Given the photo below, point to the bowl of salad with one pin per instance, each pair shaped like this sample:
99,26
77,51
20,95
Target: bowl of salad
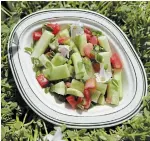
77,68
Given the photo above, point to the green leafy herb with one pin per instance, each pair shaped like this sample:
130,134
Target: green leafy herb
47,90
97,33
28,50
46,27
96,48
98,58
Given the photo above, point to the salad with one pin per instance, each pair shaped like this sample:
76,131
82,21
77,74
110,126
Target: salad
76,64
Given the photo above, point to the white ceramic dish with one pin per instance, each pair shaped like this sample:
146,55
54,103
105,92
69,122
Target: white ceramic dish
45,105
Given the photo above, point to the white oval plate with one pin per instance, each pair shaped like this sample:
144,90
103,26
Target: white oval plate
45,105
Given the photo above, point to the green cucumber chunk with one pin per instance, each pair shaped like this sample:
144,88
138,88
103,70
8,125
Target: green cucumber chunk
80,42
42,44
88,67
95,95
106,60
45,61
77,85
79,66
59,88
101,87
72,45
103,41
58,60
112,93
57,73
101,100
71,69
64,33
118,77
75,92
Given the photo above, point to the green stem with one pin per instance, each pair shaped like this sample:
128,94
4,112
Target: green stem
138,134
105,7
40,134
31,138
17,117
6,11
25,117
45,128
27,124
35,133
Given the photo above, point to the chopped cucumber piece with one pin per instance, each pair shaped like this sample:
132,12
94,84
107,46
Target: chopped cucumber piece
80,42
59,88
71,69
95,95
79,66
42,44
57,73
74,92
88,67
36,62
45,62
54,44
106,60
101,100
112,94
72,45
58,60
77,85
103,41
118,77
101,87
64,33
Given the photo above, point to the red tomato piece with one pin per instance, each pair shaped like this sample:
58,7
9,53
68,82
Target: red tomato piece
37,35
90,84
88,103
68,84
62,40
71,100
55,28
42,80
115,61
96,67
88,37
87,98
87,30
88,51
94,40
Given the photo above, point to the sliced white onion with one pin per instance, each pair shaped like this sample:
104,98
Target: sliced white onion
103,76
64,50
76,29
